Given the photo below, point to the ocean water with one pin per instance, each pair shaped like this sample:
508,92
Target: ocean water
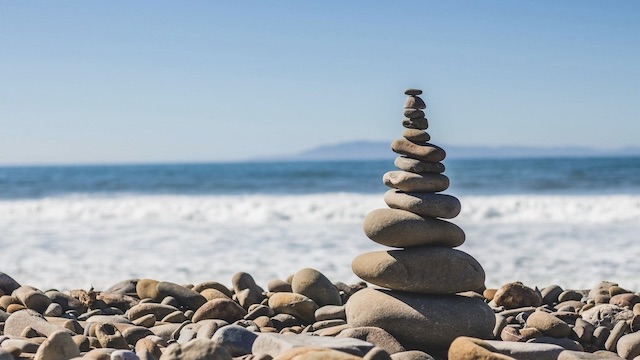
570,221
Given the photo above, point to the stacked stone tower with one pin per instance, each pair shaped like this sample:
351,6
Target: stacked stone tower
420,280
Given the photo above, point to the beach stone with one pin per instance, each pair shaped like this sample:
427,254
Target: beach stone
6,300
246,290
133,334
616,333
224,309
625,300
607,315
146,321
256,311
550,294
548,324
418,123
111,319
421,322
583,331
58,346
213,285
314,285
127,287
413,113
124,355
569,295
18,321
147,289
565,343
53,310
276,344
110,337
9,354
67,302
400,228
449,271
412,92
471,348
315,353
516,295
186,297
148,348
174,317
198,349
158,310
411,182
375,335
411,355
277,285
22,344
600,336
7,283
236,340
628,345
415,135
425,152
165,331
210,294
32,298
417,166
294,304
526,351
424,204
414,102
581,355
330,312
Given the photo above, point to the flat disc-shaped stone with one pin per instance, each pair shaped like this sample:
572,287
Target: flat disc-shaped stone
399,228
420,123
413,92
417,166
425,270
424,204
413,113
416,135
423,322
414,102
408,181
424,152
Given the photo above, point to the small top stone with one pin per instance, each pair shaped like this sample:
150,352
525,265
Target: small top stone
413,92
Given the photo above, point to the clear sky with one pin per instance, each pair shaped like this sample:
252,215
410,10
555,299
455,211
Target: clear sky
154,81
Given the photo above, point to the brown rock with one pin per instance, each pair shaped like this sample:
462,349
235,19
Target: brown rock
375,335
246,290
471,348
420,123
186,297
400,228
422,322
416,135
427,152
224,309
146,289
32,298
213,285
58,346
548,324
413,113
515,295
449,271
424,204
625,300
314,285
413,92
294,304
414,102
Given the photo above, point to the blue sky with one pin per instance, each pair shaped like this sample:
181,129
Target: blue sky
154,81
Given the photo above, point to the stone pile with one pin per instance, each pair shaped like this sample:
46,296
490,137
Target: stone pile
420,304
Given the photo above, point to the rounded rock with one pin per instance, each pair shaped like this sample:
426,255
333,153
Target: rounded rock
422,322
413,113
146,289
424,204
224,309
185,296
400,228
32,298
294,304
414,102
416,135
425,152
58,346
314,285
425,270
411,182
420,123
413,92
515,295
417,166
548,324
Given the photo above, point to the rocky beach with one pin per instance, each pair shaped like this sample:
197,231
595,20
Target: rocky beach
419,298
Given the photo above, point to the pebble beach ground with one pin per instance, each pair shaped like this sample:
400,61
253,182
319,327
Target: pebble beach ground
301,317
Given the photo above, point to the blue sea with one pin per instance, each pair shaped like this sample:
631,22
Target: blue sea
569,221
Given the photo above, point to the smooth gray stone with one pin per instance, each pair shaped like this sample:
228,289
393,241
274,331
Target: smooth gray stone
314,285
185,296
400,228
32,298
414,102
57,346
565,343
24,344
425,151
420,123
66,301
412,92
418,321
134,333
413,113
198,349
127,286
628,346
236,340
412,182
111,319
425,270
246,289
124,355
417,166
20,320
526,351
330,312
550,294
411,355
7,283
275,344
424,204
416,135
158,310
581,355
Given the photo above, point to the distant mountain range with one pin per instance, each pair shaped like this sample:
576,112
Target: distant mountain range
374,150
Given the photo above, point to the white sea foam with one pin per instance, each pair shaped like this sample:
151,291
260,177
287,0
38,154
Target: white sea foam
77,241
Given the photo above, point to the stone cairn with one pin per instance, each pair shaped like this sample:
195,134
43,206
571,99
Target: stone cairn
420,301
